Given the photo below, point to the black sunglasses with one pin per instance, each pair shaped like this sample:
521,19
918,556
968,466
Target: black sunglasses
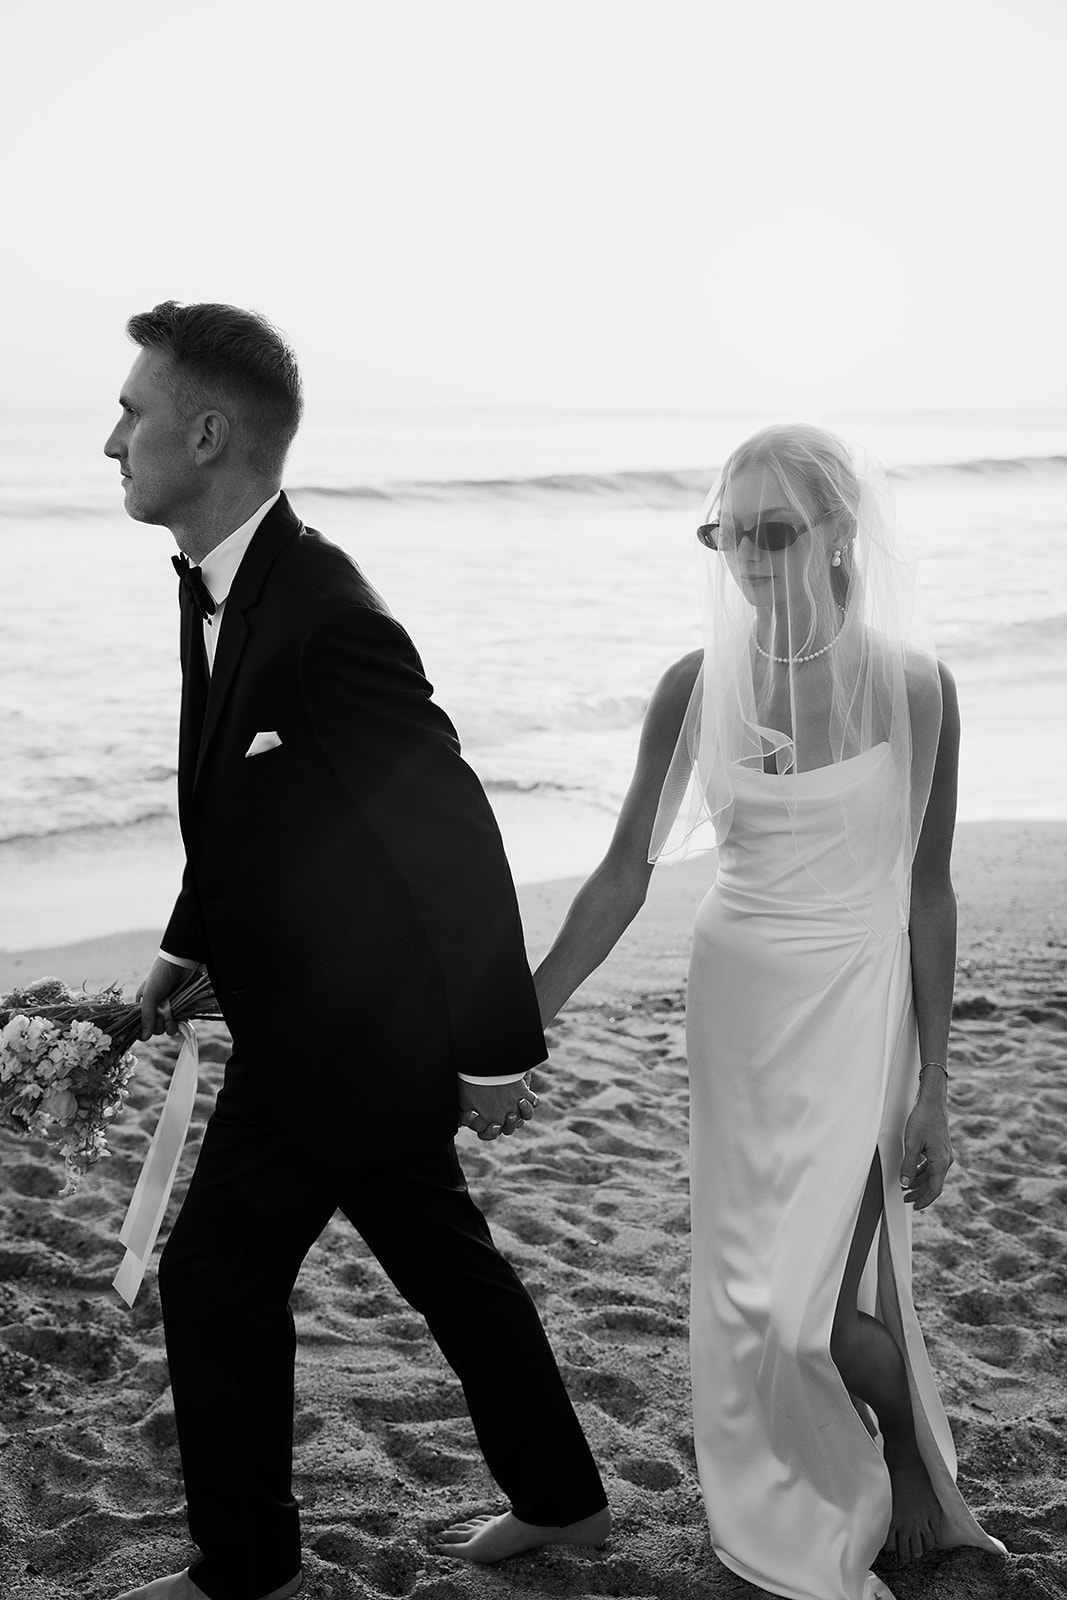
765,535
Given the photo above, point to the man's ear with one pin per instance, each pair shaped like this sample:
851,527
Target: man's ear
211,430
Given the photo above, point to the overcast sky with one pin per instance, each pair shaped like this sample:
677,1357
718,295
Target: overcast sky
621,203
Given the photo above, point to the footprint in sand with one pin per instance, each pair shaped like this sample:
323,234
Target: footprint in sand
214,1050
1016,1223
364,1292
307,1425
88,1352
1013,1263
389,1569
646,1472
632,1324
983,1307
404,1329
159,1431
81,1443
999,1183
101,1205
978,1127
1002,1347
944,1253
606,1143
338,1545
424,1451
52,1510
34,1180
611,1295
527,1227
588,1225
613,1392
441,1403
395,1569
1050,1015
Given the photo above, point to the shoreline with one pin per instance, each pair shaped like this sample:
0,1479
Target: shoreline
100,881
1011,885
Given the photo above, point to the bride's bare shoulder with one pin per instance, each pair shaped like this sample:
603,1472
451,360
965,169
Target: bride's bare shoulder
930,684
681,676
672,694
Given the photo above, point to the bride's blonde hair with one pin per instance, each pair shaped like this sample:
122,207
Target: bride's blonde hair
816,474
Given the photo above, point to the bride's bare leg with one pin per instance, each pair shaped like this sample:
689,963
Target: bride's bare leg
872,1367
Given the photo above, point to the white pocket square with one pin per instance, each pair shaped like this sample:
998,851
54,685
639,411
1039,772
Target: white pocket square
261,742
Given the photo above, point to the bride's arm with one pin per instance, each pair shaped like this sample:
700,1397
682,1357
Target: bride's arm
614,893
933,964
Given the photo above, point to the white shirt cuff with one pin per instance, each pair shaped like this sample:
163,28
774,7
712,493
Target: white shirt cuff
180,961
508,1077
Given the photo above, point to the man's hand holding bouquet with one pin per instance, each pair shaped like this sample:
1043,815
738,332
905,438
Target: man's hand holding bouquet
66,1061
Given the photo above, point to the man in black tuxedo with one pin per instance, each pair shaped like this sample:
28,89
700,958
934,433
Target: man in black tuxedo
347,889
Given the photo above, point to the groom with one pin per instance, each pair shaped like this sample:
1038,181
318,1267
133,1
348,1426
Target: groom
347,889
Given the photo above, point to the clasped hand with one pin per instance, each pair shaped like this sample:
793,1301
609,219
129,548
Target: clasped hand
490,1109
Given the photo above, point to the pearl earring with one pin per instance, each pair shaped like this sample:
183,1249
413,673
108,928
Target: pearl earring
835,559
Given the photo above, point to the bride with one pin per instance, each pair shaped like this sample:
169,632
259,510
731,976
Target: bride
817,738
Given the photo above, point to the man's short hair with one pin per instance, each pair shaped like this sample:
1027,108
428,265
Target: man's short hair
234,360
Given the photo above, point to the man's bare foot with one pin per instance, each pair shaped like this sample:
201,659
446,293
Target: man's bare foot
487,1539
916,1524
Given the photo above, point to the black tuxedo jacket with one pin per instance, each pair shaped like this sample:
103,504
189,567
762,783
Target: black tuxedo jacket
347,889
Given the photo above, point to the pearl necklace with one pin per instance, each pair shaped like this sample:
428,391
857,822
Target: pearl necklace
798,661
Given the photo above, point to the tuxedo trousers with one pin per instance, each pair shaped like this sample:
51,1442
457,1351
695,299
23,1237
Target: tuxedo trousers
255,1206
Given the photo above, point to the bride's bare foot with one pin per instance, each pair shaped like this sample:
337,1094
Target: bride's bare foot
486,1539
916,1524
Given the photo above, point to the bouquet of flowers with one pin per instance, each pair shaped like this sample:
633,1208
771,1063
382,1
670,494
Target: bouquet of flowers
65,1061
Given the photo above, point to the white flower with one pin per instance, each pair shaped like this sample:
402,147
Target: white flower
13,1035
60,1104
88,1037
38,1036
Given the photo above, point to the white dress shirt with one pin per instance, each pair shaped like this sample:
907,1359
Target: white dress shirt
218,569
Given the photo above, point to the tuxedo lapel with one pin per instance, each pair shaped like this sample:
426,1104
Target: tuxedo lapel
194,695
231,645
274,532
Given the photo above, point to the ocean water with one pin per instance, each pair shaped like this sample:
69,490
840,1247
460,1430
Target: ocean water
543,563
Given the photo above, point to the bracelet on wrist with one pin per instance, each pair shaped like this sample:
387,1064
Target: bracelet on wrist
940,1065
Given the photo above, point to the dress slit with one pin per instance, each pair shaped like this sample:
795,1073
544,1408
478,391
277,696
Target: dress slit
871,1263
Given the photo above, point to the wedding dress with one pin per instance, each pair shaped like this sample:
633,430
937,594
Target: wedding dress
804,1062
808,752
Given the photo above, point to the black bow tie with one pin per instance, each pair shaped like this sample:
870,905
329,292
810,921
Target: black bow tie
194,585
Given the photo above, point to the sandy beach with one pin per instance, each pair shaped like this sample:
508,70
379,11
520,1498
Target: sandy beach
591,1204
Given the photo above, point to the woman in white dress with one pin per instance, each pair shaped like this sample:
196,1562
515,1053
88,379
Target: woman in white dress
816,736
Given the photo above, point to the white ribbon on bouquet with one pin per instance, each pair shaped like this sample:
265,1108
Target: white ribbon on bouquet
148,1206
